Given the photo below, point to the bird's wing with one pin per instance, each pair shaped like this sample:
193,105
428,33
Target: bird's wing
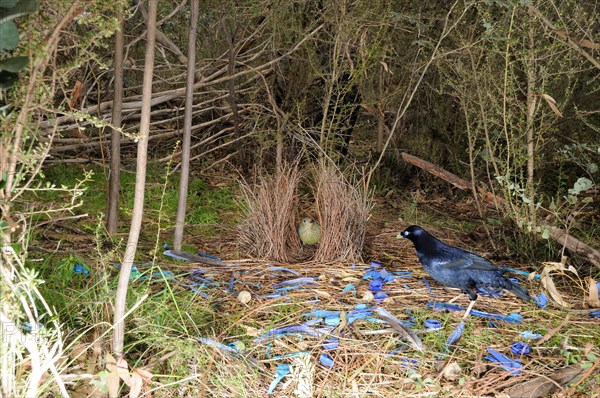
469,261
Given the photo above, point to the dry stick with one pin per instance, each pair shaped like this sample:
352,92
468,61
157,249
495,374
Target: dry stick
165,134
585,376
168,95
221,134
201,110
564,36
138,204
551,333
114,181
560,236
187,127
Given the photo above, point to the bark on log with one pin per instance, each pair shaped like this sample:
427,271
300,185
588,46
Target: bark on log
560,236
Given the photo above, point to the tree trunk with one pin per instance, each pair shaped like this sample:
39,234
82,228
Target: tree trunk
140,180
531,101
114,179
187,125
380,115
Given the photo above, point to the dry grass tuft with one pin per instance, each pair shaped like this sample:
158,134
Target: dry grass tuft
343,207
268,229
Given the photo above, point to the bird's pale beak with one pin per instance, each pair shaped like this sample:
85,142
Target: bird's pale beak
400,235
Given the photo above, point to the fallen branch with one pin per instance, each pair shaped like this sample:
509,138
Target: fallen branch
560,236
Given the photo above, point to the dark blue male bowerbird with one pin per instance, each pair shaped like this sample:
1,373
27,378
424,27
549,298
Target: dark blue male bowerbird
458,268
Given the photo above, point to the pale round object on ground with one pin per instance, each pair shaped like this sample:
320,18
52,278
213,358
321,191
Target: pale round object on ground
368,297
244,297
452,371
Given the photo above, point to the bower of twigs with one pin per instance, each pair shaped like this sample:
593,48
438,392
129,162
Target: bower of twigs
271,215
268,229
365,363
343,209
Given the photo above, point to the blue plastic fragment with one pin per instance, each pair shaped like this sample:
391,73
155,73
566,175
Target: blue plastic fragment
524,273
350,288
231,282
492,324
331,344
160,274
520,348
510,365
332,320
360,307
282,269
541,300
529,335
294,329
395,351
289,354
409,363
169,253
81,269
402,274
510,318
454,336
283,369
297,282
137,275
355,315
514,280
238,346
432,324
383,273
218,345
326,360
375,286
208,256
166,246
321,314
375,264
386,276
594,314
196,273
427,286
379,297
361,312
372,272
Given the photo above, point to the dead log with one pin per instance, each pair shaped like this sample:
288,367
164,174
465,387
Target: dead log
559,235
544,385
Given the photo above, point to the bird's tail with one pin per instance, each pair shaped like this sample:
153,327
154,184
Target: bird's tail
519,291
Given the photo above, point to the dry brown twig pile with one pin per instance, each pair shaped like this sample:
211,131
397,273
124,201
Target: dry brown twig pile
343,208
268,229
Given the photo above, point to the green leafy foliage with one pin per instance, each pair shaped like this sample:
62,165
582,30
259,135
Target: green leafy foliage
9,38
14,64
11,9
